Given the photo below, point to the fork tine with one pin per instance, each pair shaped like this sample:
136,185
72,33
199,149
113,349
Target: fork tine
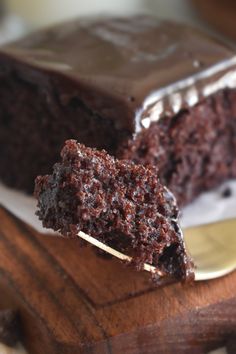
147,267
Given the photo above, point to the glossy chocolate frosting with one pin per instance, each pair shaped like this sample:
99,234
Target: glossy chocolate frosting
145,68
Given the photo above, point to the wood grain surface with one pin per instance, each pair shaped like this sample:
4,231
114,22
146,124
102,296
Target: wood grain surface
72,300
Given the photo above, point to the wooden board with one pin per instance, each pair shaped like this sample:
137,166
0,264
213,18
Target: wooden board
74,301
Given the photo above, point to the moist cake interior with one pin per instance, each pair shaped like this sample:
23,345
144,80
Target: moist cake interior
121,204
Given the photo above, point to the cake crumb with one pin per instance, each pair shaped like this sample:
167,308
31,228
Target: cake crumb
227,193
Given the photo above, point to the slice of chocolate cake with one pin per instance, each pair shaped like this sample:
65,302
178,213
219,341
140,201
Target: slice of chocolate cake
150,91
117,202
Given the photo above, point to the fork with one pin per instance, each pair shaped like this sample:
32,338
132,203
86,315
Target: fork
211,246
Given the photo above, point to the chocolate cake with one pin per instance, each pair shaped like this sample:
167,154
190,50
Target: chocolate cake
117,202
155,92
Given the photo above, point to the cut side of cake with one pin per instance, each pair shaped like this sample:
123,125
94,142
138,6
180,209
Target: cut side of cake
117,202
154,92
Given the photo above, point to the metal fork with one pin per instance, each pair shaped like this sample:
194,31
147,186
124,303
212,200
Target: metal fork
212,247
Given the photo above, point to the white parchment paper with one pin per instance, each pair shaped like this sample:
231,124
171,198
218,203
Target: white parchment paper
209,207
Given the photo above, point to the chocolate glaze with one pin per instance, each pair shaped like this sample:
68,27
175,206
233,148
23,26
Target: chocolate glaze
140,67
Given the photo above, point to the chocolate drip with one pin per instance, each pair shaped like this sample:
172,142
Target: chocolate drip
140,69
